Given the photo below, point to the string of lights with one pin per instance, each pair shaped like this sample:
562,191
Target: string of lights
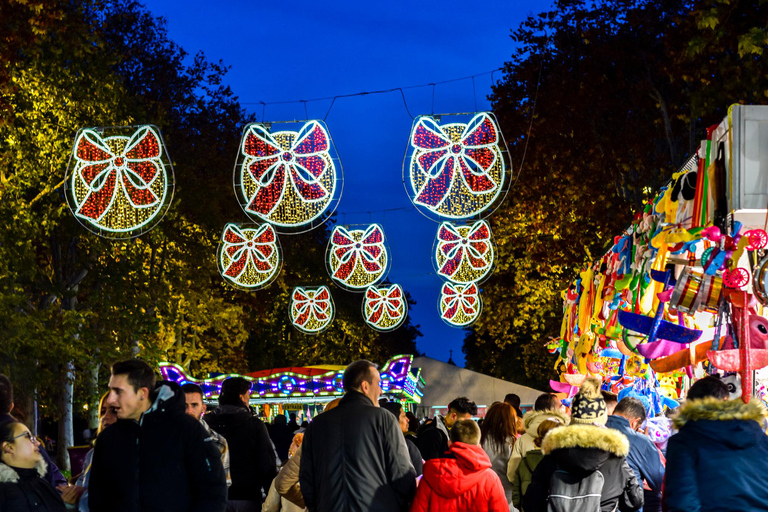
401,90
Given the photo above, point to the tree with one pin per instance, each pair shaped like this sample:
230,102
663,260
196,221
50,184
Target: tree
601,101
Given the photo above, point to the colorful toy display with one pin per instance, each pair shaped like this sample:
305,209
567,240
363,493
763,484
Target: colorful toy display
249,257
120,181
385,308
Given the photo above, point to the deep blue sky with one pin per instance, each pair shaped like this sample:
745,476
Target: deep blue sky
282,51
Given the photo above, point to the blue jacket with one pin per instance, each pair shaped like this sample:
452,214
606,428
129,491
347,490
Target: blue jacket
643,456
717,461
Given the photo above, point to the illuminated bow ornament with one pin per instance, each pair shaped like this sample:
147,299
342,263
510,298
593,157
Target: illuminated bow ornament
287,178
249,257
357,258
460,305
456,170
464,254
311,309
119,184
385,308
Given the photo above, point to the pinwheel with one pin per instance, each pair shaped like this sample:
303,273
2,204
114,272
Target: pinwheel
119,183
311,309
249,258
287,178
464,254
384,308
357,258
460,305
456,170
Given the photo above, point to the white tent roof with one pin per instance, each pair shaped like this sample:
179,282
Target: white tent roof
444,382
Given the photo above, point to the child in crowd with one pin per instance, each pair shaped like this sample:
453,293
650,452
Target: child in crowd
462,479
531,460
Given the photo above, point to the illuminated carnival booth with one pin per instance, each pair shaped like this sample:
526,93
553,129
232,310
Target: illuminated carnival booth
682,292
306,390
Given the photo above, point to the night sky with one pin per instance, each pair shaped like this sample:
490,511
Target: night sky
299,50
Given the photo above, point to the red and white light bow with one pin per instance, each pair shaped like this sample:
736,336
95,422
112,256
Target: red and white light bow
273,168
454,248
311,310
347,250
241,246
459,305
441,159
106,173
382,304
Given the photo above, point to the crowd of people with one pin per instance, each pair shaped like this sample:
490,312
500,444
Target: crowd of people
158,448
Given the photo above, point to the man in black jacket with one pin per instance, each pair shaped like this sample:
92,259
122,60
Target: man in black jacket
433,440
354,456
155,457
252,458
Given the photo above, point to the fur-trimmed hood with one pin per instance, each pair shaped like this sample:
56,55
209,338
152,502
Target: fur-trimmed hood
532,420
729,422
9,475
584,448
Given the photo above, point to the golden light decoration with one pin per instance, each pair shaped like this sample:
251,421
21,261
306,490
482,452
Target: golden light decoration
249,257
357,258
464,254
120,180
312,309
460,305
456,170
385,308
290,179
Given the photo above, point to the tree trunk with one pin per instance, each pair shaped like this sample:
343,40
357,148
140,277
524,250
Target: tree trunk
66,431
94,397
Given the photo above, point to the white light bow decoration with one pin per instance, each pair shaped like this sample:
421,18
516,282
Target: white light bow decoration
357,258
464,254
460,305
120,180
249,257
293,180
456,170
385,308
312,309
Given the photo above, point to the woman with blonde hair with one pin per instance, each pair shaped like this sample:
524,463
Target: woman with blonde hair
499,433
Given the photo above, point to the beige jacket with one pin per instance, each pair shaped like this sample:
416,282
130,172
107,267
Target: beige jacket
287,481
524,444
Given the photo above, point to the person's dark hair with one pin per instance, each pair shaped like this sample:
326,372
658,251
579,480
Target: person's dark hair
413,422
292,416
631,408
512,399
6,395
394,408
709,386
280,419
499,425
547,402
465,431
610,398
304,424
7,430
190,388
463,405
139,373
231,389
356,373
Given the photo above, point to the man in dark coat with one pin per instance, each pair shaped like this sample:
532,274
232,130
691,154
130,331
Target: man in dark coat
354,457
251,455
433,440
155,457
717,459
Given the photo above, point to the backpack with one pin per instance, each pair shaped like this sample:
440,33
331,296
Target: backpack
569,493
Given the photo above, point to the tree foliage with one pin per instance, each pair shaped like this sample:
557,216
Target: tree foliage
601,102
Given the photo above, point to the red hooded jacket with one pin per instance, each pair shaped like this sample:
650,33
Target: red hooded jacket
461,480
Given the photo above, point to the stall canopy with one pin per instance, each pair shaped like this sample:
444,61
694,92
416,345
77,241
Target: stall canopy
446,382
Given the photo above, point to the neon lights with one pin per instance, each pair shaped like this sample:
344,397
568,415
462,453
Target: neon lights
402,380
385,308
464,254
460,305
312,309
249,258
287,178
121,184
357,258
456,170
